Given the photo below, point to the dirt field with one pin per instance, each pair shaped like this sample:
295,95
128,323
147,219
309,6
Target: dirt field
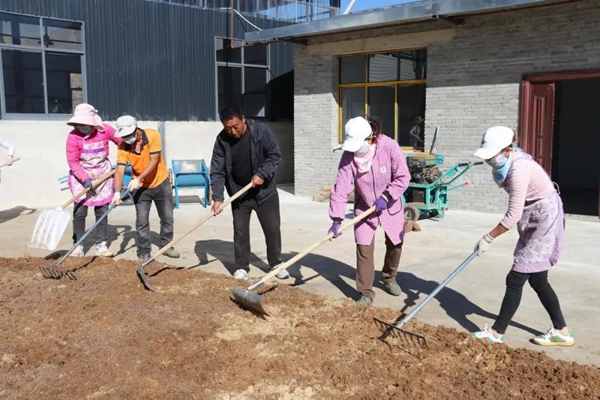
103,337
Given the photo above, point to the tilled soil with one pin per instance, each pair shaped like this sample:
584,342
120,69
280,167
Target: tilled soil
103,337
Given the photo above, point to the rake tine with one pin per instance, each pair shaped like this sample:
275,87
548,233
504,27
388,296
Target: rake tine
144,278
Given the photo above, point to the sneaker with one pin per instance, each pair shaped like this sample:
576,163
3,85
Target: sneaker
172,253
103,251
393,288
364,300
554,338
144,257
78,252
283,274
487,336
241,274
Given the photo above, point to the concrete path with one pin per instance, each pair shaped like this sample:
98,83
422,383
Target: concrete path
471,300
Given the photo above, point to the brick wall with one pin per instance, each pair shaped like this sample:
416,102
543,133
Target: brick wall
473,83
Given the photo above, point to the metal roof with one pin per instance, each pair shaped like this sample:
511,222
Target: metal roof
403,13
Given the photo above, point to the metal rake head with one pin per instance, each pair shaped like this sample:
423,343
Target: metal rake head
56,273
141,273
407,337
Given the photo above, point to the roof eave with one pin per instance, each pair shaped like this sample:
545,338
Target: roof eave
406,13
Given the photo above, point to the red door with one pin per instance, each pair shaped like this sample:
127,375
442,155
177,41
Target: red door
537,121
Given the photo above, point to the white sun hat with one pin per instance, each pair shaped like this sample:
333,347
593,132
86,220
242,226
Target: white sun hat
126,125
86,114
357,130
494,140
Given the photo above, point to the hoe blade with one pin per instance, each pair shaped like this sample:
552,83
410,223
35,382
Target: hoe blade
249,300
391,330
144,278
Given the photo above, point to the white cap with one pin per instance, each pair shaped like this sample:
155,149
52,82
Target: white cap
126,125
357,130
494,140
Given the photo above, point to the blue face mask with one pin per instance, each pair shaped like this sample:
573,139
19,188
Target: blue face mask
500,167
85,129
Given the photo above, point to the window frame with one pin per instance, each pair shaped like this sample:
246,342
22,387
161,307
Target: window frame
46,116
242,65
366,85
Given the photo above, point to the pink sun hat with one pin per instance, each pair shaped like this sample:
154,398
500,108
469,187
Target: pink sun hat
86,114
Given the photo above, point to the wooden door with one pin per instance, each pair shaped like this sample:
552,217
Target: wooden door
537,121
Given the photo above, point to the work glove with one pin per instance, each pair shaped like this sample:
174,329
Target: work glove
89,185
9,161
381,204
116,198
134,185
335,229
484,244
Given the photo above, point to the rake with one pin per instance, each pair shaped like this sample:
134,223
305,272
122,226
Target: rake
141,267
51,224
54,271
251,301
395,329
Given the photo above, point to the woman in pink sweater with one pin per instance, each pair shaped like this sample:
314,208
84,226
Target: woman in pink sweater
374,167
87,156
535,208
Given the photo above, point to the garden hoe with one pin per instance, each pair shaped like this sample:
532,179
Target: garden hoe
141,267
395,329
51,224
251,301
55,272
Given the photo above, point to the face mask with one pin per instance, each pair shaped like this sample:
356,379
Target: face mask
497,162
363,149
86,130
129,139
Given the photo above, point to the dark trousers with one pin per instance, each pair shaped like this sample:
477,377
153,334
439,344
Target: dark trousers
365,265
270,221
162,196
512,299
80,212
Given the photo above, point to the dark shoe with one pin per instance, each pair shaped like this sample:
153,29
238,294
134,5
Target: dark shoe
393,288
144,257
364,300
172,253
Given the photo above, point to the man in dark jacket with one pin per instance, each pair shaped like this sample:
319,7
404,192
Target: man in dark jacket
247,151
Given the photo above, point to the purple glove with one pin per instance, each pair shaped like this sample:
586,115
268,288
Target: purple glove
381,204
335,229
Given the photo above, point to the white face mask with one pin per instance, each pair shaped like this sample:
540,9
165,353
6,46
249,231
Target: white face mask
85,129
129,139
363,149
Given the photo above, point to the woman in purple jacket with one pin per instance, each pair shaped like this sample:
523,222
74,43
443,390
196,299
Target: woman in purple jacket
87,156
375,168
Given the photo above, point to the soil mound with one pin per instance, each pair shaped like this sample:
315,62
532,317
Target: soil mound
103,337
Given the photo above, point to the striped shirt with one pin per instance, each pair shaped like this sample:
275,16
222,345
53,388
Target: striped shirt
526,181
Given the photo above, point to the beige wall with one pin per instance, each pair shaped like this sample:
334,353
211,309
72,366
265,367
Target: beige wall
33,181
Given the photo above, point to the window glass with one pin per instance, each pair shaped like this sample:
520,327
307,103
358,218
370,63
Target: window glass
227,54
255,92
411,106
19,30
23,82
62,35
65,88
353,69
382,105
229,86
256,54
353,104
383,67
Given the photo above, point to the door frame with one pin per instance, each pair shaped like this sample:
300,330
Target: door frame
526,99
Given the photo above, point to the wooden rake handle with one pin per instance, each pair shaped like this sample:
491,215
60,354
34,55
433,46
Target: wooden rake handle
298,256
84,191
15,159
203,220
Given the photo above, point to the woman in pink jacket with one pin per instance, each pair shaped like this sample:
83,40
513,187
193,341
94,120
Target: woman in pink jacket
87,156
375,168
536,210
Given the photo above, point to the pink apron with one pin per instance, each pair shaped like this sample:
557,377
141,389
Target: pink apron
94,160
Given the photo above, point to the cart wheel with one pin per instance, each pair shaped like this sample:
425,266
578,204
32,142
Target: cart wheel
411,213
171,178
209,196
441,213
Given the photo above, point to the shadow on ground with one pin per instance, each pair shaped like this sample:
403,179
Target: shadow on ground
15,212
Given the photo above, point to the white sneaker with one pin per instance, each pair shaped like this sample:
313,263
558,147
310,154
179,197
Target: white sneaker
487,336
103,251
241,274
78,252
282,274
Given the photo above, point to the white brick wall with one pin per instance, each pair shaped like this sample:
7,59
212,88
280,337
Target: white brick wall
473,82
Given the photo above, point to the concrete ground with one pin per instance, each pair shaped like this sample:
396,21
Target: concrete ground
471,300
